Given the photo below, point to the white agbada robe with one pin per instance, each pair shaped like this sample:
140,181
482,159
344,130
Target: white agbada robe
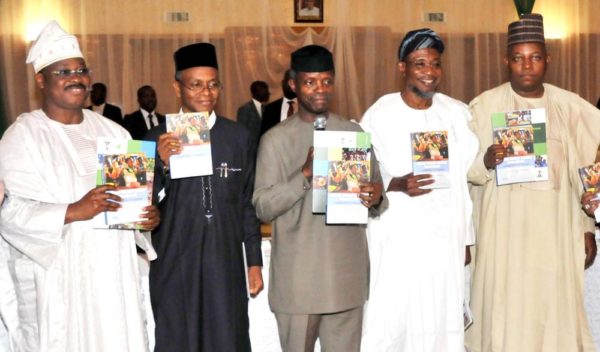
77,288
417,247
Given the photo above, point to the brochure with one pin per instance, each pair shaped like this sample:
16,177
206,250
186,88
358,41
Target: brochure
193,132
590,178
523,133
430,155
342,160
129,165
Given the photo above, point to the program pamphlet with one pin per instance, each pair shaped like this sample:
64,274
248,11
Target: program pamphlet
523,134
129,165
193,132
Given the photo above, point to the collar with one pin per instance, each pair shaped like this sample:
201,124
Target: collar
146,113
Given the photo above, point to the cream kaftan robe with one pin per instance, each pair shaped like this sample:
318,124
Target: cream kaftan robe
77,288
527,282
417,247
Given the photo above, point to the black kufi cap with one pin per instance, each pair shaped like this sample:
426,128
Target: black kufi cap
419,39
528,29
194,55
312,58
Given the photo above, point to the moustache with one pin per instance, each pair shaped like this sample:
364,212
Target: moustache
78,85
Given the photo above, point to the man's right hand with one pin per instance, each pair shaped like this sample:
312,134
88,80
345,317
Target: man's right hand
93,203
168,145
411,184
494,155
307,168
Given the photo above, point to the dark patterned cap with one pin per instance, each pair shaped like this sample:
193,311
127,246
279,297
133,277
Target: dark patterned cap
194,55
528,29
419,39
312,58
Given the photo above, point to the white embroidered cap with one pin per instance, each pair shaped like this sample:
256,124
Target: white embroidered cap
52,44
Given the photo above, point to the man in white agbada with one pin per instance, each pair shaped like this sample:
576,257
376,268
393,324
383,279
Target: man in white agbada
417,248
77,288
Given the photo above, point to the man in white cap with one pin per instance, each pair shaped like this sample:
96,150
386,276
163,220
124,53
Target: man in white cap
77,288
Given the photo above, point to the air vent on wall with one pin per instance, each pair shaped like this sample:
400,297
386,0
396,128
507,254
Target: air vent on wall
171,17
435,17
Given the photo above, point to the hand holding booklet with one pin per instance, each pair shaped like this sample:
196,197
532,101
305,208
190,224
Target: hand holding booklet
431,155
128,165
523,134
342,161
194,133
590,178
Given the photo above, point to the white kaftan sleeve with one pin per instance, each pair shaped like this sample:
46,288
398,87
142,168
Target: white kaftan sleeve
144,241
34,228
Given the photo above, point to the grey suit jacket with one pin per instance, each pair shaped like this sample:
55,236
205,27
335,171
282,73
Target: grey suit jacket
315,268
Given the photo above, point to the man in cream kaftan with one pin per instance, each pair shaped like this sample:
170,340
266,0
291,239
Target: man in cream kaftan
527,291
417,247
527,287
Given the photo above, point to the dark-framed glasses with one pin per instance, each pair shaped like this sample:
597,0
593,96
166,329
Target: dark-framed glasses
197,87
84,71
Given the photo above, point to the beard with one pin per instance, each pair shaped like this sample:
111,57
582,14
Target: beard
421,94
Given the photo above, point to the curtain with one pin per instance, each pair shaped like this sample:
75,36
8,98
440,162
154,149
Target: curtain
128,44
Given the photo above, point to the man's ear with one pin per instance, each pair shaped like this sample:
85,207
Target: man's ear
40,80
401,65
292,84
177,89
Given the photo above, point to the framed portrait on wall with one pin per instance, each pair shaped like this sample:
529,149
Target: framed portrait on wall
308,11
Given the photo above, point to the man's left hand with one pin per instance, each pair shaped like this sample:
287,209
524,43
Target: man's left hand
152,216
255,280
590,249
370,194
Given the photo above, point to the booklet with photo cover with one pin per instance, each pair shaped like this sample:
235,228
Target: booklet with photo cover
193,132
322,142
430,155
129,165
343,162
590,178
523,134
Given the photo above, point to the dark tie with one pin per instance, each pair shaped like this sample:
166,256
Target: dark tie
290,108
151,121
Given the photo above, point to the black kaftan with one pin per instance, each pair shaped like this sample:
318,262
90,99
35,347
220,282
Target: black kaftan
197,284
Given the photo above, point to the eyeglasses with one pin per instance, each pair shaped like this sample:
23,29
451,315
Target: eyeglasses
198,87
84,71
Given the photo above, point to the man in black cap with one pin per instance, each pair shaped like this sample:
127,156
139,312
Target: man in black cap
319,273
417,247
534,239
198,283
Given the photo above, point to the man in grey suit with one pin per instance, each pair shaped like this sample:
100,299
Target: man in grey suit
250,114
319,273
